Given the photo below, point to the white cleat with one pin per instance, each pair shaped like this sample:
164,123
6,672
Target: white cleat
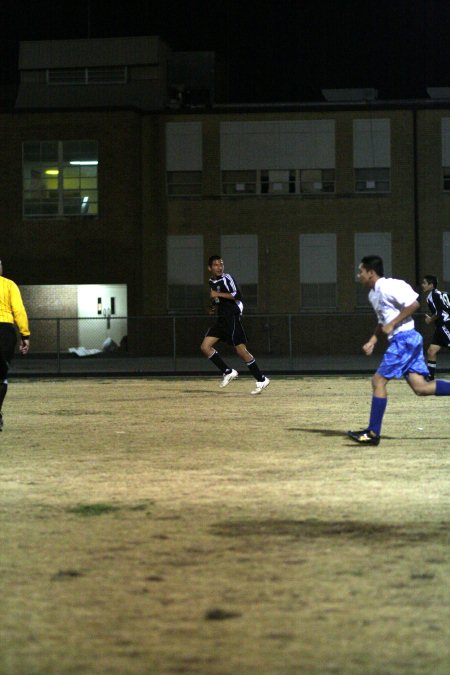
228,377
260,386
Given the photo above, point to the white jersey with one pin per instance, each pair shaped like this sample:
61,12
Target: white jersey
388,297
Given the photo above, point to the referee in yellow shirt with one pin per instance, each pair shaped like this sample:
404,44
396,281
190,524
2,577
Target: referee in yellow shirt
12,312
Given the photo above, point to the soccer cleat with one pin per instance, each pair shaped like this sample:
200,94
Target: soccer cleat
366,436
228,377
261,385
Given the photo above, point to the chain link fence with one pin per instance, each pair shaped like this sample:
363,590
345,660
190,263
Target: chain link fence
285,343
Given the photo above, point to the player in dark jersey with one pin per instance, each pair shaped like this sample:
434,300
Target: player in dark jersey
439,306
226,303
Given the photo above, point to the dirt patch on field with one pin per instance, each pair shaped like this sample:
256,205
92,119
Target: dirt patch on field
169,526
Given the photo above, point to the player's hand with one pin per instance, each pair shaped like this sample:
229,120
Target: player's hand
369,347
24,346
213,294
428,318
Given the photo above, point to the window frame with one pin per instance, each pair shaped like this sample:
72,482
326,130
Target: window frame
257,182
65,159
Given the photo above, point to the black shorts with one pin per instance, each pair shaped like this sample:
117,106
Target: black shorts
441,336
229,329
8,341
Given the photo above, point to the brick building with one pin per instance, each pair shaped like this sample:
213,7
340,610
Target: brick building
106,191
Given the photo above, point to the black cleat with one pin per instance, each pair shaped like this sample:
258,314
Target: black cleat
366,436
1,422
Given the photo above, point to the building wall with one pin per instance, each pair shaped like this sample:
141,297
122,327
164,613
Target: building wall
80,249
127,241
433,202
279,220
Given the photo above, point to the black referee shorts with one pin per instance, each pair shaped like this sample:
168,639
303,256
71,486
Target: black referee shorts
229,329
8,341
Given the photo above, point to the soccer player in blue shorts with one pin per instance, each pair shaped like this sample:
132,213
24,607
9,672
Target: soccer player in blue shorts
394,302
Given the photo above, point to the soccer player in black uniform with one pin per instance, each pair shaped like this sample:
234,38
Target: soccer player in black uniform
226,301
439,306
12,312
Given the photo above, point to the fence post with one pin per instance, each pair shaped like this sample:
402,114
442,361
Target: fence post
174,342
290,340
58,346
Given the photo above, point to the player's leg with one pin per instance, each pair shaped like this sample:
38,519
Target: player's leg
432,351
8,341
207,346
371,435
208,349
3,384
423,387
261,380
379,403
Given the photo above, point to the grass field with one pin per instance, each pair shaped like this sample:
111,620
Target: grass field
169,526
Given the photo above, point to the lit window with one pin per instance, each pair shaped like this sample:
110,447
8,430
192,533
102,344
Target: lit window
60,178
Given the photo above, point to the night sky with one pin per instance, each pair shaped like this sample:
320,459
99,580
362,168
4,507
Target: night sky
280,51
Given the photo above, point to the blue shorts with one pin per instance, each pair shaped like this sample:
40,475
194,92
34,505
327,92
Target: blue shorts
404,355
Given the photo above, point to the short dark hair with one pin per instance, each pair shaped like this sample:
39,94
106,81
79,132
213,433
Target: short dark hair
212,258
374,263
431,279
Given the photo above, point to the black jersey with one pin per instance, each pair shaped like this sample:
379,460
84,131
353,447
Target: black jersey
227,284
439,306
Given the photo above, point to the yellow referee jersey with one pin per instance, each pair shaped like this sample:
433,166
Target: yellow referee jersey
12,309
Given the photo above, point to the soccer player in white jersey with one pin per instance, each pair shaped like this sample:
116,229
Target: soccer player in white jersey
439,306
394,302
226,300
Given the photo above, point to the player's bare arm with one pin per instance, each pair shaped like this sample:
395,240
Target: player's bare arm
404,314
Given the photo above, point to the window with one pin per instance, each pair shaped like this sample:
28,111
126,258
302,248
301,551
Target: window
184,161
313,181
372,155
239,182
445,135
318,271
185,273
184,183
277,158
278,182
371,243
60,178
240,254
372,180
446,179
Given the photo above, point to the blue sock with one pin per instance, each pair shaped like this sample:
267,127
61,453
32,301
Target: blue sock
442,388
376,414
